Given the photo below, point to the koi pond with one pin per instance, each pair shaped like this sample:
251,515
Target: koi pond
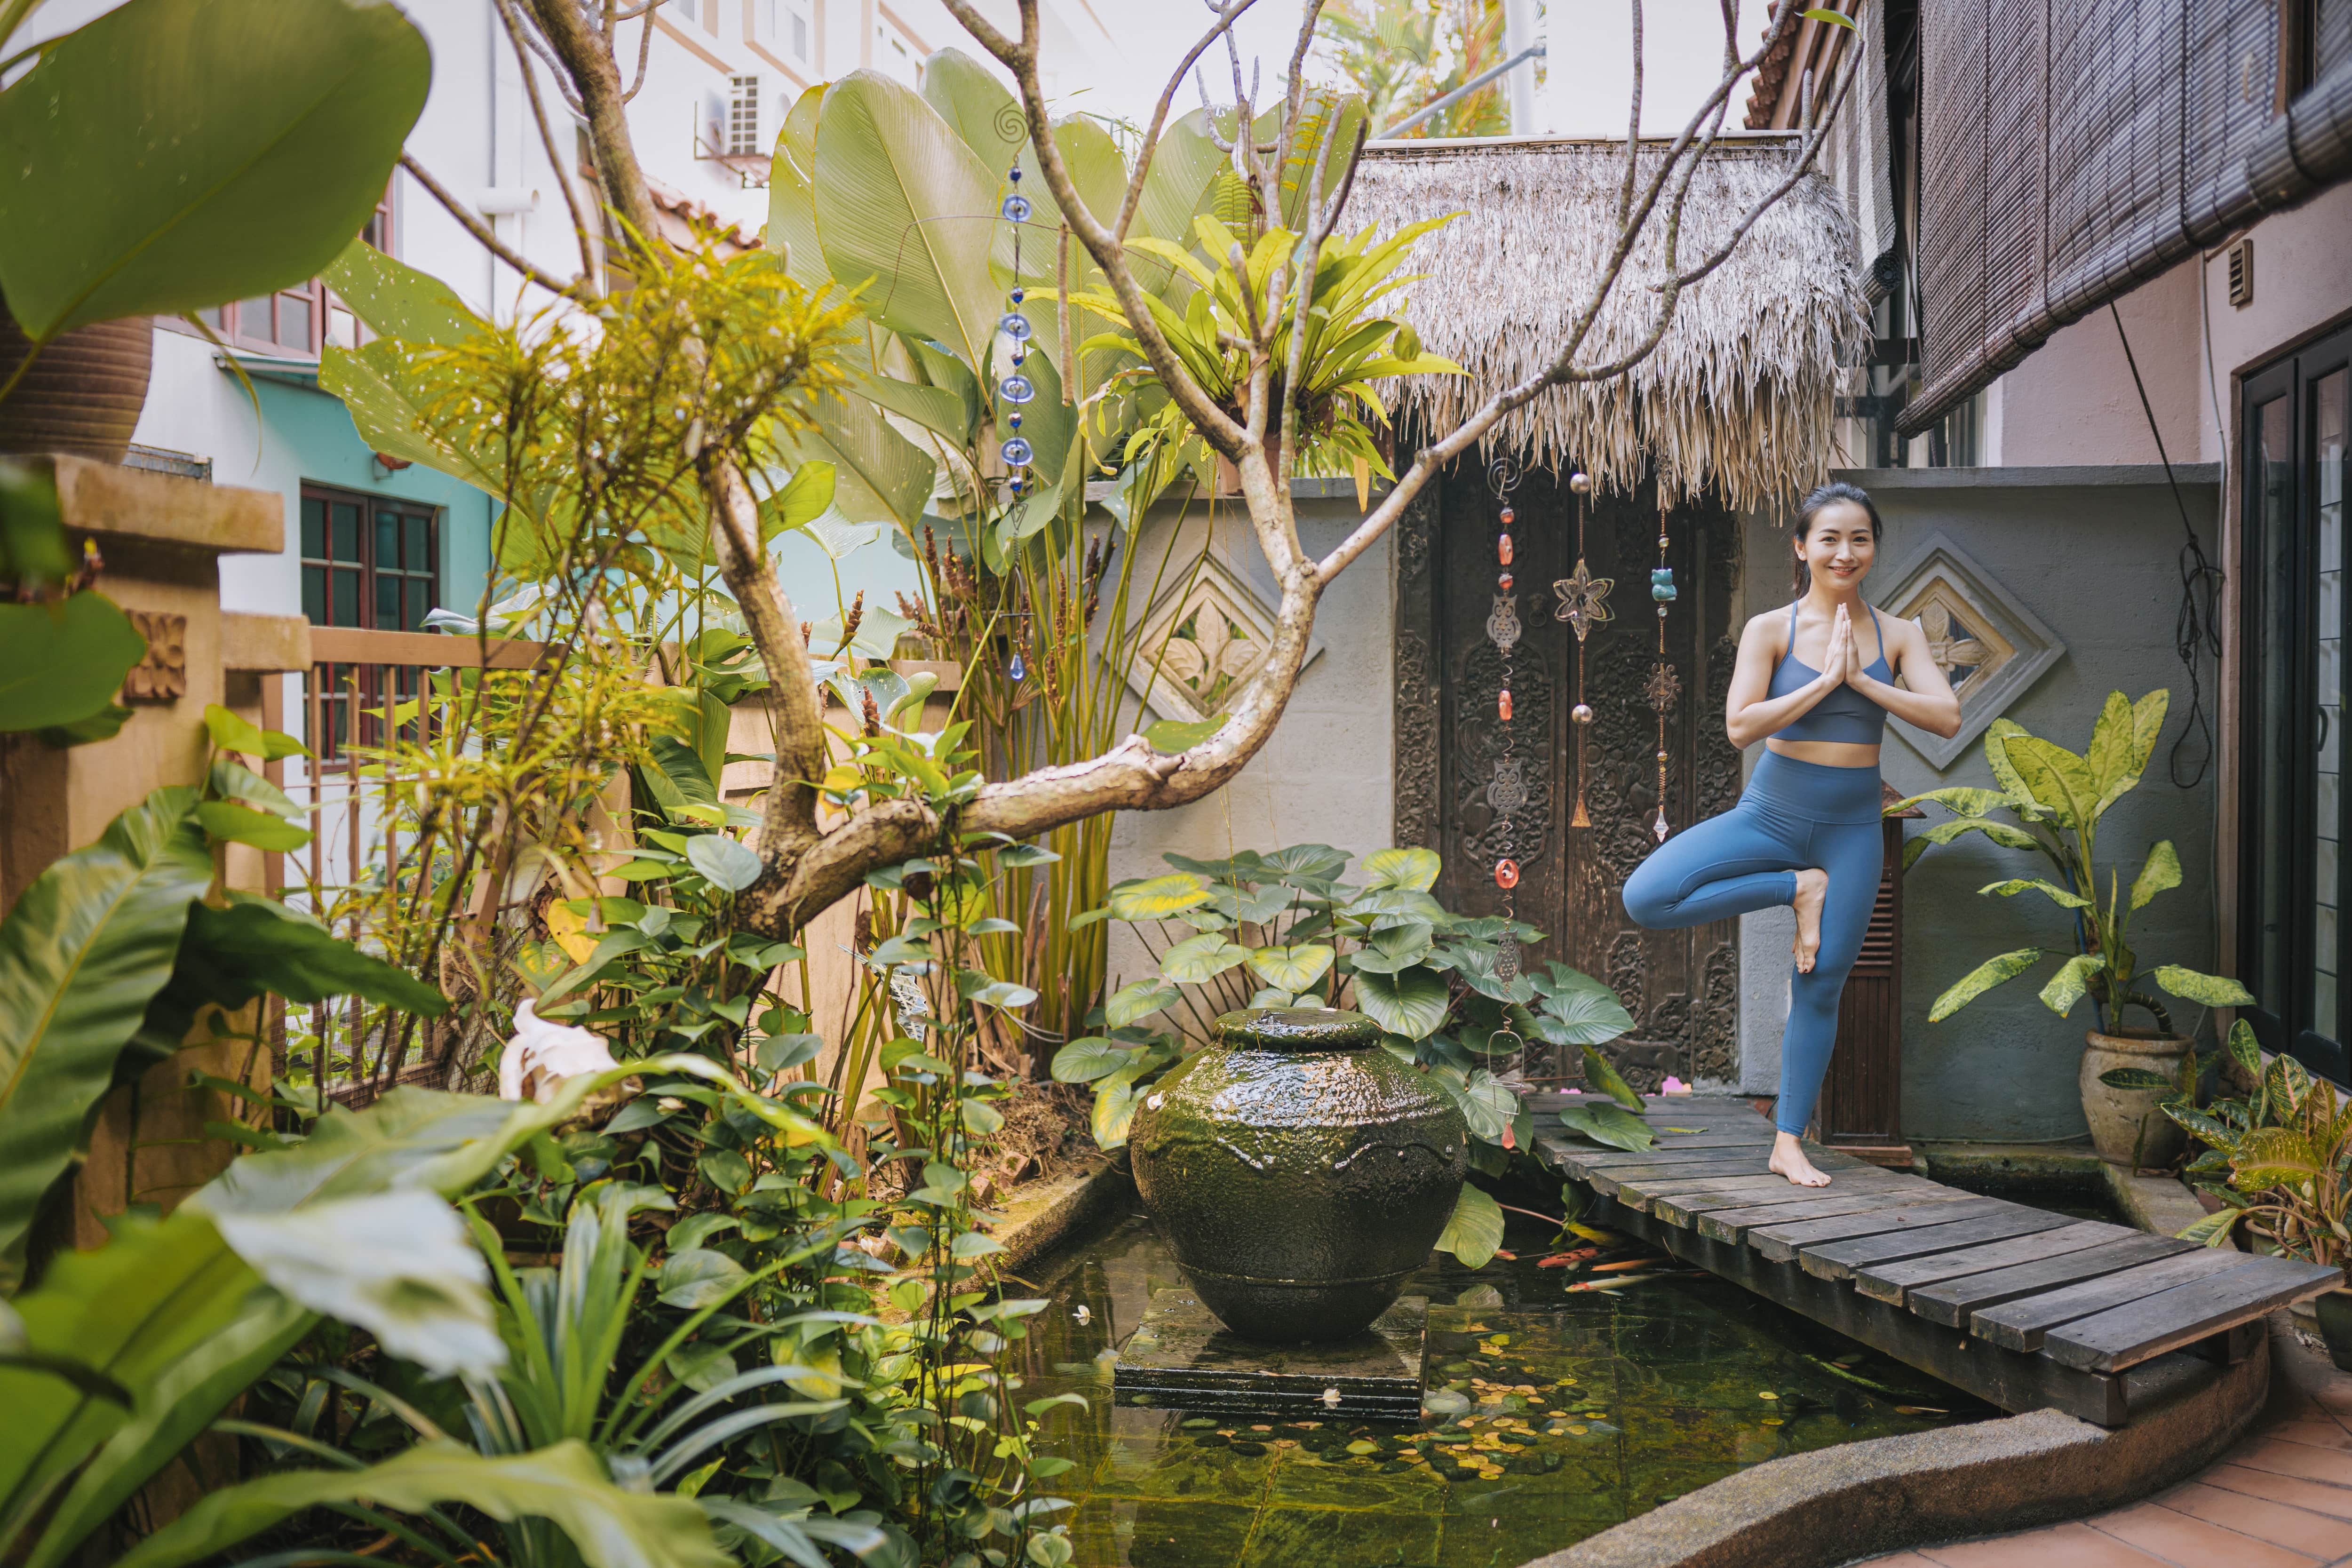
1553,1413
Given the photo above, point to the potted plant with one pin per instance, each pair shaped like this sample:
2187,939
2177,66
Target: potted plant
2281,1156
2050,802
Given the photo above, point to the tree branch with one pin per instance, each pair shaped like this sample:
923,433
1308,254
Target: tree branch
1151,143
561,164
490,241
588,61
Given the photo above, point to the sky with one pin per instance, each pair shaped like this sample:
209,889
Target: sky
1589,69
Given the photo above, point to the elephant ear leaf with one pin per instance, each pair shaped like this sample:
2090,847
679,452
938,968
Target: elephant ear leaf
1611,1125
86,948
1603,1074
1475,1233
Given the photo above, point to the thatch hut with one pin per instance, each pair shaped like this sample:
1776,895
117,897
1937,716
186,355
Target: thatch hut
1736,399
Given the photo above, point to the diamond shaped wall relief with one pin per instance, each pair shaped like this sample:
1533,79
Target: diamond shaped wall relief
1201,640
1991,647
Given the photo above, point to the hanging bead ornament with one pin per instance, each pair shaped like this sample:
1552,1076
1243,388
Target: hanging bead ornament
1664,685
1013,390
1583,605
1508,792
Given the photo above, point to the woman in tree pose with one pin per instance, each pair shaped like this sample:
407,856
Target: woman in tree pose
1815,684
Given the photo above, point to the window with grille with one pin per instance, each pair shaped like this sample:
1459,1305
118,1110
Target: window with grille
370,561
743,117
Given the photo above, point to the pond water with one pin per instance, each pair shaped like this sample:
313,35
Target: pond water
1570,1411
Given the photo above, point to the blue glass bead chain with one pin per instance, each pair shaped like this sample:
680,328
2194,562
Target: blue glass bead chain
1664,685
1014,389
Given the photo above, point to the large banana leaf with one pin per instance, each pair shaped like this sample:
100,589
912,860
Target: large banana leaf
879,476
979,108
176,153
563,1484
84,951
791,194
386,384
1993,972
60,663
905,213
2121,742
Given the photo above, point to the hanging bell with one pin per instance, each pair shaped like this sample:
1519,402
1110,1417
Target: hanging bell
1506,874
1503,706
1662,583
1503,549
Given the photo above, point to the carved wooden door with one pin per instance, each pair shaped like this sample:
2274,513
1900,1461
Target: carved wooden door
1681,986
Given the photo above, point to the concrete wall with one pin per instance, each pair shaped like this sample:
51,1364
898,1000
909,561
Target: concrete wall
1325,776
2092,555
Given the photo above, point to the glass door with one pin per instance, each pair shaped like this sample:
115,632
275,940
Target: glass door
2293,944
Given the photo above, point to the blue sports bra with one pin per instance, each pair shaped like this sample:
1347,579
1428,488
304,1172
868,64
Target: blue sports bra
1844,714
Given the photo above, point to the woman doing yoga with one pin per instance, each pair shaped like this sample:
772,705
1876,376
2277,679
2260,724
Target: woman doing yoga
1814,683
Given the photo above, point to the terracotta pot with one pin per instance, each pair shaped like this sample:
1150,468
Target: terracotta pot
83,394
1297,1172
2126,1128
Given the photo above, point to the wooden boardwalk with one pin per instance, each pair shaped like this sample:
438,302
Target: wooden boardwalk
2023,1307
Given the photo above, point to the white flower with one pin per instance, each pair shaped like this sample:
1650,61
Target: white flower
542,1055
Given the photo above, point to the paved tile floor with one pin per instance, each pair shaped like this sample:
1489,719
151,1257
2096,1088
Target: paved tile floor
2281,1499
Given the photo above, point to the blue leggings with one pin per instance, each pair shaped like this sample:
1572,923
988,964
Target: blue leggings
1792,815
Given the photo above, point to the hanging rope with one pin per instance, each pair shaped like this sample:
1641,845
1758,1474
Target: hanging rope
2197,629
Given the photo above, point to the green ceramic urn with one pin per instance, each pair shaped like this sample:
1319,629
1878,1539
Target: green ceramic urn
1297,1172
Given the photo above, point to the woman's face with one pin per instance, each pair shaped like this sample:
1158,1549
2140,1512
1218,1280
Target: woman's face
1839,548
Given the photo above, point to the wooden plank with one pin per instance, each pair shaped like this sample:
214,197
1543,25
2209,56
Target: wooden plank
1687,1209
2014,1382
1696,1162
1607,1183
1839,1260
1891,1281
1779,1243
1650,1186
2126,1335
1953,1301
1732,1224
2019,1324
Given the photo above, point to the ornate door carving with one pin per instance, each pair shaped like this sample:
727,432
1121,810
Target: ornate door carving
1682,987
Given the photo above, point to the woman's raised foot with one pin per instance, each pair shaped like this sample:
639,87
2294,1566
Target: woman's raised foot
1789,1160
1812,892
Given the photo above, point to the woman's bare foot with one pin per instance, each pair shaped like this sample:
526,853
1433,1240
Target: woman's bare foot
1789,1160
1812,892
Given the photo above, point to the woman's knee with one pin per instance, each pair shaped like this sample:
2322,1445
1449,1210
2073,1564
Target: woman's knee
1650,897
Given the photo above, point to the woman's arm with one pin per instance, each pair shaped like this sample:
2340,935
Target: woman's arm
1925,698
1749,714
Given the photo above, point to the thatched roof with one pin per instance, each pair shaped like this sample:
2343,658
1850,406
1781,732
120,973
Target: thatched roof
1737,397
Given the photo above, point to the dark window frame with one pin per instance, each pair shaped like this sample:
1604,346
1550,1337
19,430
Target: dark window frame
273,333
2279,610
331,558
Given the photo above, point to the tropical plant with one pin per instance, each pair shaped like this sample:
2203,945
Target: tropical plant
2279,1161
1404,54
1280,930
2053,802
122,1356
882,221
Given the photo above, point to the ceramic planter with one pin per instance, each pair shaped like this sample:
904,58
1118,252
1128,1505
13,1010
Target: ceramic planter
83,394
2126,1128
1297,1172
2333,1313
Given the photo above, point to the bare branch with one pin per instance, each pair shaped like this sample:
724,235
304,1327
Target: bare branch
562,78
587,60
1134,197
575,289
1632,125
645,53
516,28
